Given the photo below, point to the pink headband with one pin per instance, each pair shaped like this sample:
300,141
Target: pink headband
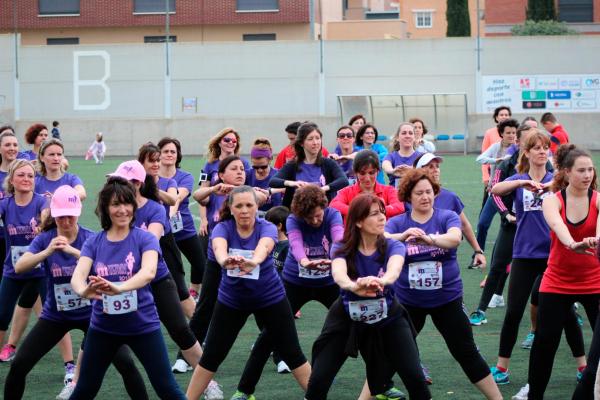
259,153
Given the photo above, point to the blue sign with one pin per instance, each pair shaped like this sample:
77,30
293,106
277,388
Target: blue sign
559,94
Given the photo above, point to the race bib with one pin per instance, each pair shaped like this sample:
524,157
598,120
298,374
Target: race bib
368,311
425,275
67,299
314,273
261,214
16,252
235,273
532,201
122,303
176,222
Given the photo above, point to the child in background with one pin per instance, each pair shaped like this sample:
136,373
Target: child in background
277,216
97,149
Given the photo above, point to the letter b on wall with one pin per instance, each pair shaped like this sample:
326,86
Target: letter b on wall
91,69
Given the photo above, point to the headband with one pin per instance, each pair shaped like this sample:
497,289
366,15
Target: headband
259,153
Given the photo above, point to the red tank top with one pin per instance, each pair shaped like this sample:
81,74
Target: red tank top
569,272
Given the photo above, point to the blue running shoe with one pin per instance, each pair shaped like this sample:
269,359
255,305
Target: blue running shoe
528,342
501,378
477,318
391,394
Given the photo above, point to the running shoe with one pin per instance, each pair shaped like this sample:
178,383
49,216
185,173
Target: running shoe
391,394
579,375
7,353
66,392
426,375
501,378
181,367
477,318
214,392
523,393
282,368
194,294
242,396
496,301
69,372
500,301
528,342
579,318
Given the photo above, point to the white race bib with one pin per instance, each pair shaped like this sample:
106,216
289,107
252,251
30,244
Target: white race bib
67,299
368,311
425,275
176,222
532,201
16,252
313,273
122,303
235,273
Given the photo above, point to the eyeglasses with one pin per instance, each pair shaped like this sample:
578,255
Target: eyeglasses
345,135
260,166
229,140
369,133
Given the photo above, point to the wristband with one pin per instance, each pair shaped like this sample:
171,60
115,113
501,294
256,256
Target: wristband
478,252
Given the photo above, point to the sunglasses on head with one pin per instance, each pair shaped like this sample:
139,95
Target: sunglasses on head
260,166
345,135
229,140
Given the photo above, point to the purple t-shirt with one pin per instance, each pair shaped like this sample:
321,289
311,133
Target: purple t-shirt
431,275
213,208
532,239
43,184
244,292
165,184
252,180
212,170
346,165
512,149
27,155
396,159
2,177
118,262
20,226
373,265
150,213
445,200
185,180
317,243
59,267
311,173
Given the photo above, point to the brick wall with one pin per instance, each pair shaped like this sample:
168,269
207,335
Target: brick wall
505,11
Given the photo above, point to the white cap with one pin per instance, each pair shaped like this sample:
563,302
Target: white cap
426,159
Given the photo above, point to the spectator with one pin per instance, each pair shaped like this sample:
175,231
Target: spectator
558,135
55,130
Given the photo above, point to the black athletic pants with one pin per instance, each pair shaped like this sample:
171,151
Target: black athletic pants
172,257
501,257
195,252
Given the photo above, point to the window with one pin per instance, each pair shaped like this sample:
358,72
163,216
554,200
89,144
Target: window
152,6
257,5
254,37
159,39
57,41
423,18
58,7
370,15
576,10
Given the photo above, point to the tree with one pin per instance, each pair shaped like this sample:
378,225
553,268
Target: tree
533,28
457,16
541,10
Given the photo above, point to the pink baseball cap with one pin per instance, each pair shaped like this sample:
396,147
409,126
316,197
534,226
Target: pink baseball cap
65,202
131,170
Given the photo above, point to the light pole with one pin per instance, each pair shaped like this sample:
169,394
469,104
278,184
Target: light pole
167,99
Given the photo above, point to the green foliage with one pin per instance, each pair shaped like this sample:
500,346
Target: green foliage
542,28
541,10
457,16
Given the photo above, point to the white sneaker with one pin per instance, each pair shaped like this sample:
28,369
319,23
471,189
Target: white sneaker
493,301
523,393
66,391
500,301
282,368
213,391
181,367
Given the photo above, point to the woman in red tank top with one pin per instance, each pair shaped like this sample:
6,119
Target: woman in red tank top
573,273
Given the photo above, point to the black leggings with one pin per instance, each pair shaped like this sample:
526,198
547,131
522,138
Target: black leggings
172,257
523,275
297,297
195,253
555,311
452,322
501,257
171,314
228,321
206,303
384,346
42,338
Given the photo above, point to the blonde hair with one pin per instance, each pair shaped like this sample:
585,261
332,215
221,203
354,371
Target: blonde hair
45,144
15,165
214,151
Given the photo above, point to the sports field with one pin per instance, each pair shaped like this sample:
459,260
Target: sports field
460,174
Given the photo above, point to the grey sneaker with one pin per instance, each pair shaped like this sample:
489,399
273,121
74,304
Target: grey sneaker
213,391
66,391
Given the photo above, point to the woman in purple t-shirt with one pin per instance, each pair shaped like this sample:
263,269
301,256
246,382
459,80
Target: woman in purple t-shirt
242,247
51,171
56,249
430,283
402,158
366,317
115,270
312,230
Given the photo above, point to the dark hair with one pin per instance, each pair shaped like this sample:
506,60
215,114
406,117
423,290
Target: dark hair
522,128
33,132
359,210
224,163
278,215
7,127
306,199
165,141
548,117
149,189
512,123
361,132
536,136
564,159
356,117
413,120
55,123
48,223
303,131
497,111
225,211
293,127
410,180
365,158
119,189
